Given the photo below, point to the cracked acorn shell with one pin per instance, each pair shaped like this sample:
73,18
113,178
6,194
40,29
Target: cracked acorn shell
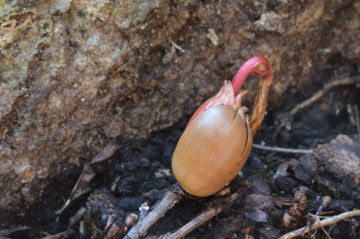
212,150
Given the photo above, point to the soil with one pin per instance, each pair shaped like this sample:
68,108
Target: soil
138,165
138,173
74,75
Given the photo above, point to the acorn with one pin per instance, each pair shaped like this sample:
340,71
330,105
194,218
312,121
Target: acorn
218,138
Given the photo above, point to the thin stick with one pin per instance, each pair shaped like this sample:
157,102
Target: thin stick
320,93
177,47
202,218
283,150
323,91
357,119
141,228
322,227
56,236
322,223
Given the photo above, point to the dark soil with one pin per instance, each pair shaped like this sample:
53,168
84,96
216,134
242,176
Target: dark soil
131,177
137,165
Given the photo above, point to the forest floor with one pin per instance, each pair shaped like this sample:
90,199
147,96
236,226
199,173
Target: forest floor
276,192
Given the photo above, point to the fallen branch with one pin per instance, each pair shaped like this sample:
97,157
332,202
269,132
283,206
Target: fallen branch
321,224
202,218
167,202
283,150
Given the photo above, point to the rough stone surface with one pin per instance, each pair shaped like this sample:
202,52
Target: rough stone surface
73,74
341,159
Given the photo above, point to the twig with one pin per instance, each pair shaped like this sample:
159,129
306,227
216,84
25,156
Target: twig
322,223
202,218
56,236
283,150
323,91
320,93
321,226
167,202
357,119
11,233
177,47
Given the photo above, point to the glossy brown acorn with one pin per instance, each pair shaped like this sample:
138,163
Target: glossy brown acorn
218,138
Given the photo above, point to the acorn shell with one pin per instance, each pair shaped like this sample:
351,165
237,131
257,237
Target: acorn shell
212,150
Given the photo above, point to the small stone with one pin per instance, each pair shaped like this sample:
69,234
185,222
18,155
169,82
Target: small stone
25,173
163,173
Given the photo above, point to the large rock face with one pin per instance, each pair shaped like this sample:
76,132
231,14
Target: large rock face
74,74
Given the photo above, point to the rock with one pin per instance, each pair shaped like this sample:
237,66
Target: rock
257,207
341,159
74,73
285,183
258,186
301,173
